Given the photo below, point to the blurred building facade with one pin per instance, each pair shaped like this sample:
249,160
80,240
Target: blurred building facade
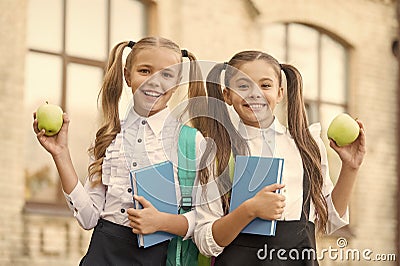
55,50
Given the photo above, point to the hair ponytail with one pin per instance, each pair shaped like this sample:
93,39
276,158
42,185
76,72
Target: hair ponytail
196,94
109,95
218,112
218,127
309,150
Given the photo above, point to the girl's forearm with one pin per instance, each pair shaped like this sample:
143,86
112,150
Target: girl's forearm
341,194
66,170
228,227
174,224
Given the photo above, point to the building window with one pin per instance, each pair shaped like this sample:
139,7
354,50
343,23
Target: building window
67,53
323,62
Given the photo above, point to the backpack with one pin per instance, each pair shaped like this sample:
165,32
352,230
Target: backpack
184,252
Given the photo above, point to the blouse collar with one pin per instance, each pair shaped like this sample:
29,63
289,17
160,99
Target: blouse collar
156,122
249,132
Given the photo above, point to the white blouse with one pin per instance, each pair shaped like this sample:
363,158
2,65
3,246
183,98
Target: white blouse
142,141
275,141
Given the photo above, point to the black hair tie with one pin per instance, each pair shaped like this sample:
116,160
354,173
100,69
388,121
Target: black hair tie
184,53
131,44
225,66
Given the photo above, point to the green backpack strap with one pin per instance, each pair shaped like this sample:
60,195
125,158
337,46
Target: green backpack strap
186,165
186,176
185,253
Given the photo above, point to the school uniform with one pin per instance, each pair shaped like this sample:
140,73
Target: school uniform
143,141
295,229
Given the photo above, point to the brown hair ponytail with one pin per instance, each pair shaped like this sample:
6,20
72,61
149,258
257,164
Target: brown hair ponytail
196,95
109,95
309,150
218,127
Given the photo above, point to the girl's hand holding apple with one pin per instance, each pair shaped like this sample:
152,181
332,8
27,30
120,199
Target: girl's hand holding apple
347,138
50,118
51,127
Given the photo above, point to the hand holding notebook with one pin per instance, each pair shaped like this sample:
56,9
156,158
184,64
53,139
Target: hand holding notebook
146,219
266,203
156,184
252,174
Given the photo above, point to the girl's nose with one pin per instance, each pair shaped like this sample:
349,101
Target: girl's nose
255,92
154,81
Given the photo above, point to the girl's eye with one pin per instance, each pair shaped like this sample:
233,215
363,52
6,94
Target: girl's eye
144,71
243,86
266,86
167,75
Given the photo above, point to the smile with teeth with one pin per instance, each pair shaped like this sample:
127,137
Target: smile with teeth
152,94
255,106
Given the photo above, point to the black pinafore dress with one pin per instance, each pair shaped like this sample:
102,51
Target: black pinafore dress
115,245
292,245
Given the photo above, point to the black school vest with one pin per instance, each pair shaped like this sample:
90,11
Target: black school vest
292,245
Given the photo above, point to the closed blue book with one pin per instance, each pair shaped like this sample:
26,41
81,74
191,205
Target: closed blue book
156,184
251,174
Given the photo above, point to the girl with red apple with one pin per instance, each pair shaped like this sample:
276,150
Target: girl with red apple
308,201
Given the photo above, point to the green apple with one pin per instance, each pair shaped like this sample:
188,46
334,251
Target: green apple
50,118
343,129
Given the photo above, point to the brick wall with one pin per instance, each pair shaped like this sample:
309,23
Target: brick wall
12,50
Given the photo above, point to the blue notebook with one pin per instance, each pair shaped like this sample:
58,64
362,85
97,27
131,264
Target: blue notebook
156,184
252,174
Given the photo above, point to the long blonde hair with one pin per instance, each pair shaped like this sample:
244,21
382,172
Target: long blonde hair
111,91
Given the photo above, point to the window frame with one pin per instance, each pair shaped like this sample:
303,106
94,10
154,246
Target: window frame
318,102
150,27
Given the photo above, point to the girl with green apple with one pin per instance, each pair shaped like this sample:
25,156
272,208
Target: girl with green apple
148,135
307,202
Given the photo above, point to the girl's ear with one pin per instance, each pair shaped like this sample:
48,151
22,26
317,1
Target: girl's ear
281,94
127,76
227,96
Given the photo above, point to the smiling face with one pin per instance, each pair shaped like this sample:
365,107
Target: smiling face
153,77
254,91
